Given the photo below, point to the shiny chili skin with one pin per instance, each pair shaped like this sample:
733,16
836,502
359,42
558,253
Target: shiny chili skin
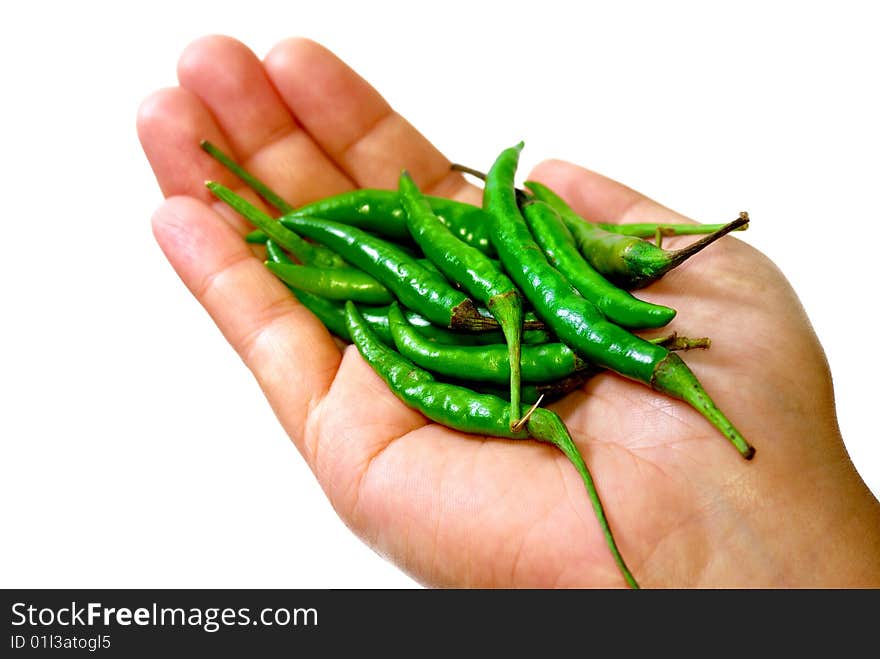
380,211
575,320
484,363
414,285
627,261
546,392
475,272
333,283
450,405
558,245
468,411
332,314
377,317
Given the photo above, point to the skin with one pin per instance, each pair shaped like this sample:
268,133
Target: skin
457,510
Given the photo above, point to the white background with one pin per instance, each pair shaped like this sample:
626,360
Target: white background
137,450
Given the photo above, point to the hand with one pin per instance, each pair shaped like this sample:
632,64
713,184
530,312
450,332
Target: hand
456,510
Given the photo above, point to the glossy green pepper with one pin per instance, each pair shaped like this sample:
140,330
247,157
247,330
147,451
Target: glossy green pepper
575,320
627,261
468,411
475,272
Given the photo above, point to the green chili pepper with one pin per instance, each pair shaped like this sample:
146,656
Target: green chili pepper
332,314
333,283
616,304
640,230
380,212
256,237
377,317
467,411
485,363
327,311
477,274
627,261
307,254
551,391
414,285
546,392
303,251
575,320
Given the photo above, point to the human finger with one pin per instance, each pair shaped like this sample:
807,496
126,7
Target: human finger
355,125
599,198
263,135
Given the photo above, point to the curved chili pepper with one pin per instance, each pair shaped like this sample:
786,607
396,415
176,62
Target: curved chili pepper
333,283
475,272
380,211
616,304
332,314
575,320
377,317
627,261
638,229
551,391
485,363
467,411
414,285
532,393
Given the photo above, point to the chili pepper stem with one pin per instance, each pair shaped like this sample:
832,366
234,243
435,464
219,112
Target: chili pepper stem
507,310
675,342
681,255
303,251
520,424
673,377
466,316
249,179
464,169
548,427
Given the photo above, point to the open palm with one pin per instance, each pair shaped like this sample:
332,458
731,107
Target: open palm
458,510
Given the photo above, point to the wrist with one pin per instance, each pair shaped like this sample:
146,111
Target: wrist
816,527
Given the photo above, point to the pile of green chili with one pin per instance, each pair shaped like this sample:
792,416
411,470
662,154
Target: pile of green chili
521,296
